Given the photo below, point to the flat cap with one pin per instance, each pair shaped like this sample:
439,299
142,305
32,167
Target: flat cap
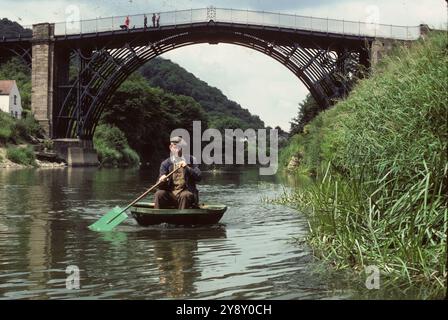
176,140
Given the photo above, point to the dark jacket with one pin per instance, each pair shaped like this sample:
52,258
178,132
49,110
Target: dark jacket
192,175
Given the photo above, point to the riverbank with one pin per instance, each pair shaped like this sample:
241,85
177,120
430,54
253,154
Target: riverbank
381,167
5,163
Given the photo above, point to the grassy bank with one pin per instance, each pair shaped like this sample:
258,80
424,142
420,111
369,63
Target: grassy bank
380,158
16,136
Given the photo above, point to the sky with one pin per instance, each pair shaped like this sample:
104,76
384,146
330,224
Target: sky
254,80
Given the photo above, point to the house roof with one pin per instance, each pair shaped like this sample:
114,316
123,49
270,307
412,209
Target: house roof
6,86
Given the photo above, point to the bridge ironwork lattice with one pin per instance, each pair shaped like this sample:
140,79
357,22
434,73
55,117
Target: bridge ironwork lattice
327,55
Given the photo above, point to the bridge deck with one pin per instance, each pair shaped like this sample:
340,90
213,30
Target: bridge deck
229,16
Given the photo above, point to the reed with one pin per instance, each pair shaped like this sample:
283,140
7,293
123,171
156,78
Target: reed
381,163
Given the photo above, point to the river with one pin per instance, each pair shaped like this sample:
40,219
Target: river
251,254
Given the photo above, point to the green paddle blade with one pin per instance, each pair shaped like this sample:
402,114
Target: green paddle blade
110,220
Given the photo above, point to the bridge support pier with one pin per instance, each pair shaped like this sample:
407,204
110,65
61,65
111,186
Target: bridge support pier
76,152
50,71
42,75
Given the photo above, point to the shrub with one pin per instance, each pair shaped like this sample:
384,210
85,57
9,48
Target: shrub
21,155
6,127
48,144
17,131
112,147
27,127
130,156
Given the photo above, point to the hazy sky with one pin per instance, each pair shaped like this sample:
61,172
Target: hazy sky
254,80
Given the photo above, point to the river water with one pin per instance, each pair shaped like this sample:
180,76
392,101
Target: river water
251,254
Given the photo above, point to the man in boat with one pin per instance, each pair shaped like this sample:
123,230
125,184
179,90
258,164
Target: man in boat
179,190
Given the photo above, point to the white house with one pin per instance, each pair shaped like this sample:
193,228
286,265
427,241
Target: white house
10,100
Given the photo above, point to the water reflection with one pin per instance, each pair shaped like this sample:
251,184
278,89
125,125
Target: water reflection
176,256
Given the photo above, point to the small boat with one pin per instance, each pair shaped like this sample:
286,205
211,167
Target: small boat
145,214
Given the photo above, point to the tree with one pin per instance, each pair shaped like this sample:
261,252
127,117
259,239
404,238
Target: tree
148,115
172,78
15,69
308,109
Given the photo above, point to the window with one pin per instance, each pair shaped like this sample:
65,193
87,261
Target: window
17,116
15,100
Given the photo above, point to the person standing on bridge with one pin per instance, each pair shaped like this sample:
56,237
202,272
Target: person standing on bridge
180,189
126,22
145,21
125,26
158,20
154,20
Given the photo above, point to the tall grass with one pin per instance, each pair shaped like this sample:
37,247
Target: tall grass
381,197
353,226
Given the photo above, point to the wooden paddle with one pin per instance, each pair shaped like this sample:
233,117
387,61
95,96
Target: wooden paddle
117,215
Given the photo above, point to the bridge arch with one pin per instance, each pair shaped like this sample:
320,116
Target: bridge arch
327,71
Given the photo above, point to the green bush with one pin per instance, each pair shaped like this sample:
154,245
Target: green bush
112,147
6,127
21,155
18,131
108,157
48,144
130,156
27,127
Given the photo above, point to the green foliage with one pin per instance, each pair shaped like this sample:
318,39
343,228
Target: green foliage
6,127
226,122
292,149
148,115
383,196
308,110
10,28
18,131
48,144
171,77
112,147
15,69
27,127
21,155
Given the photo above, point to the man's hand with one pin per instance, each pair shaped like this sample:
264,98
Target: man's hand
182,164
162,178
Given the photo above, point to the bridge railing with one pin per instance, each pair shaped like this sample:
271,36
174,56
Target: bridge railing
236,16
249,17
